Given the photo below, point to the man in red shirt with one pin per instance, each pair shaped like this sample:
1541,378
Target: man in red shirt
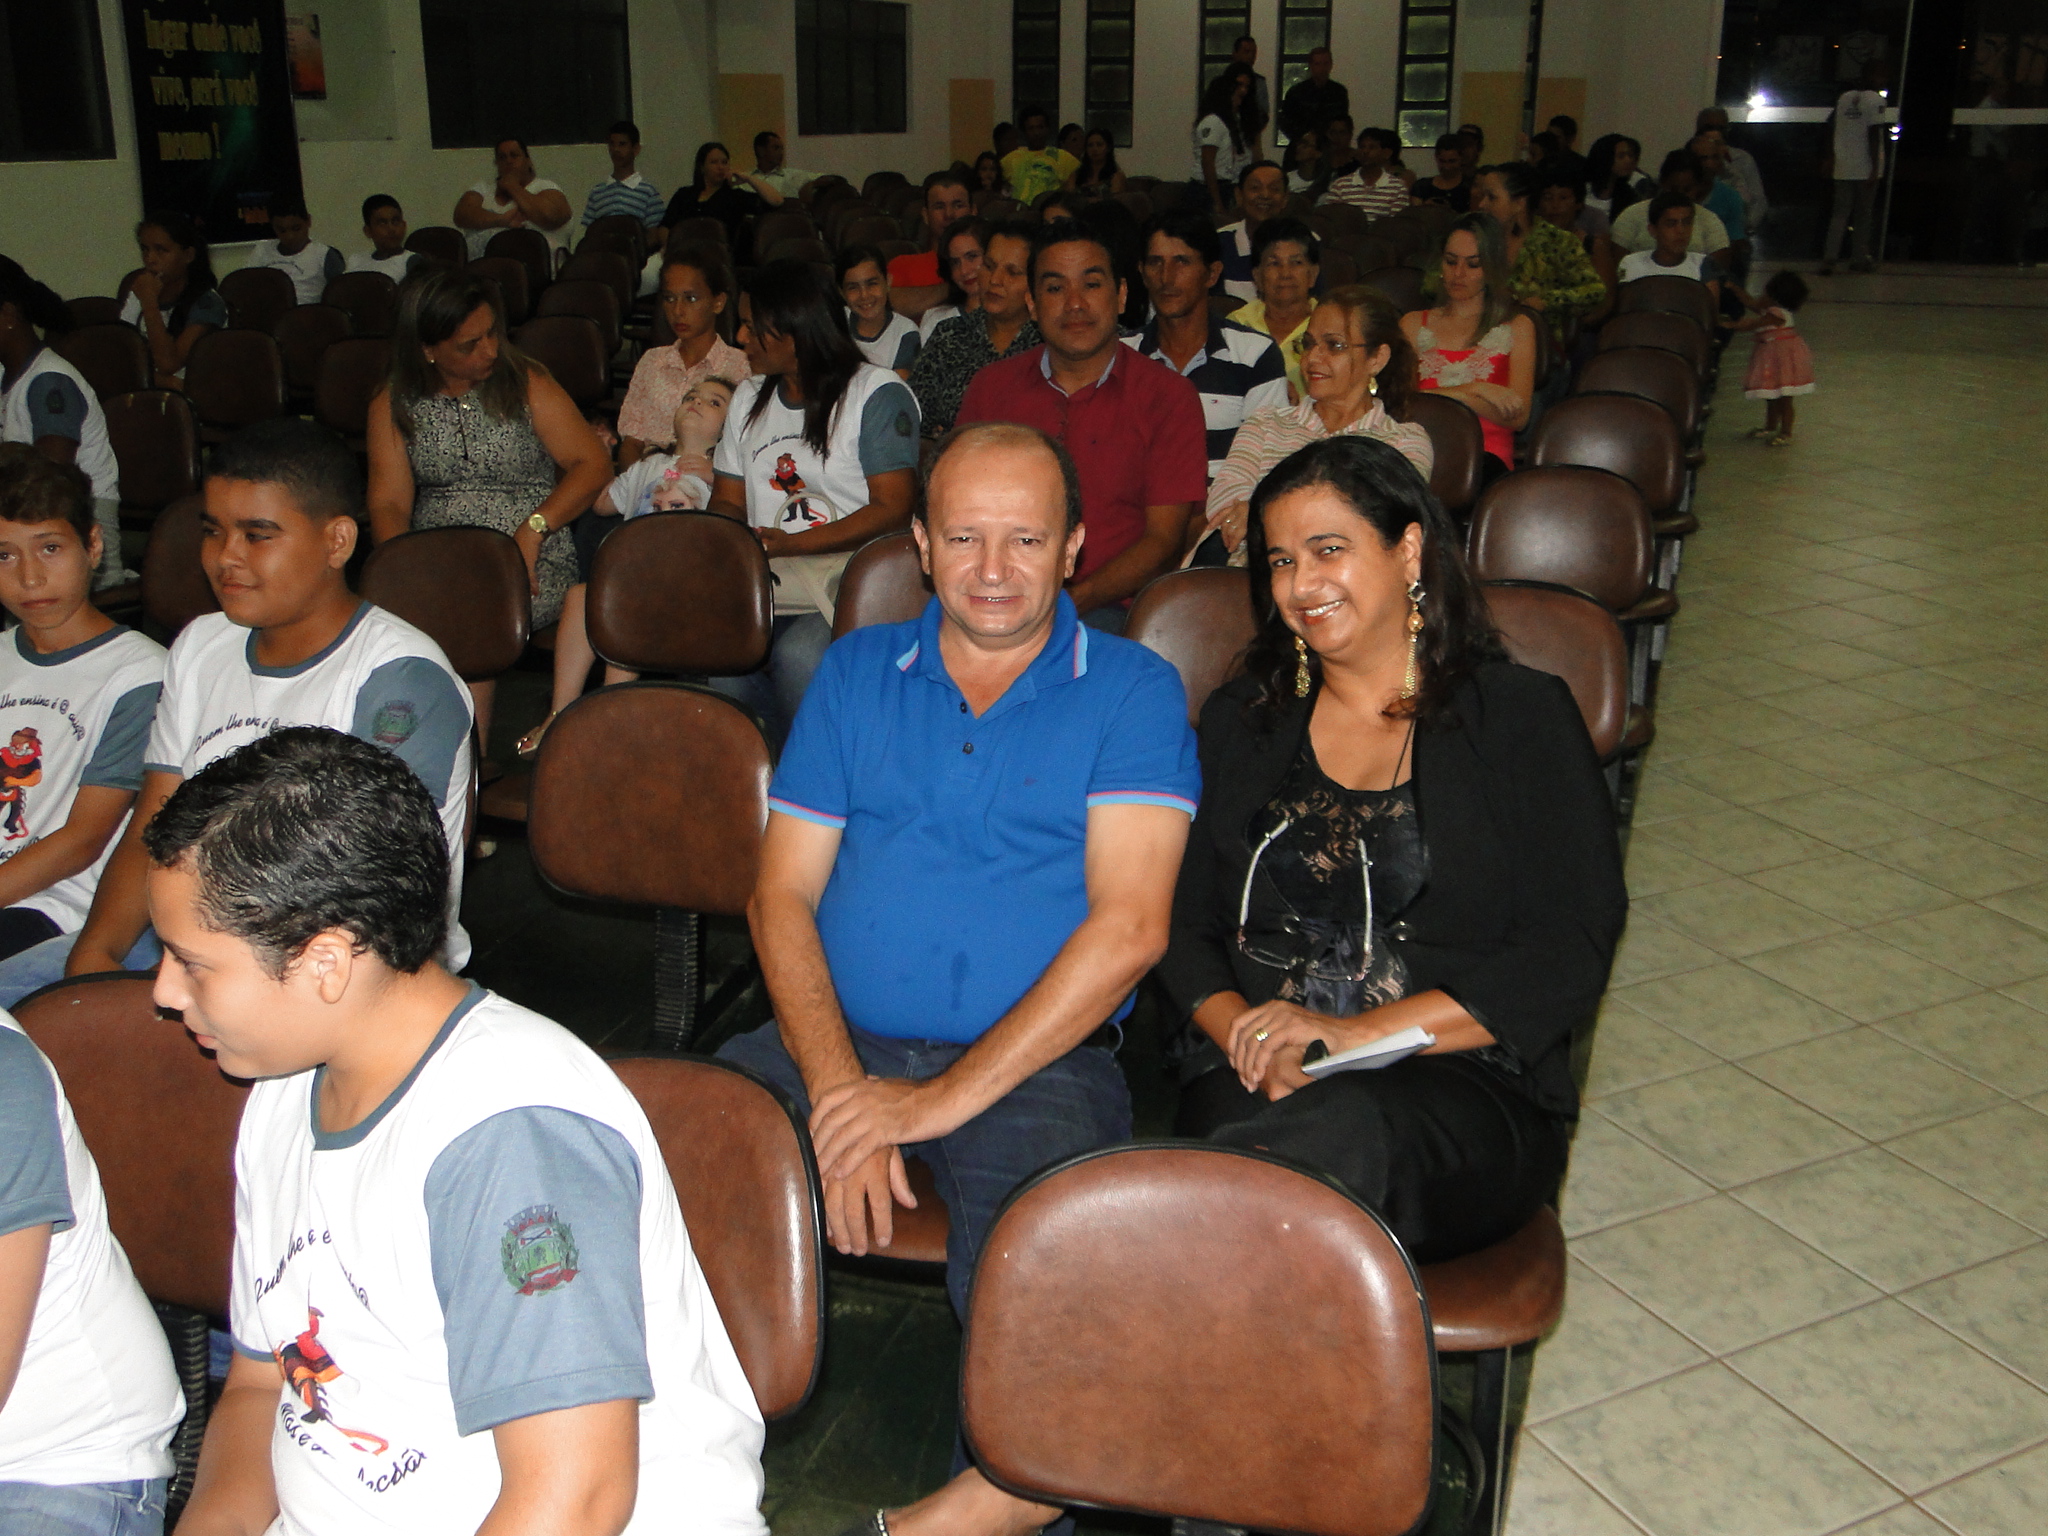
1133,426
946,198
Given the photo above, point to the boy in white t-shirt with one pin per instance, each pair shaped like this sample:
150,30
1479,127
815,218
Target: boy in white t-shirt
77,694
1670,219
658,482
295,252
463,1294
384,223
291,646
88,1396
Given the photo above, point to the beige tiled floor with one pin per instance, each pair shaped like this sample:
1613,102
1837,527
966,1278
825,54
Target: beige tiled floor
1808,1203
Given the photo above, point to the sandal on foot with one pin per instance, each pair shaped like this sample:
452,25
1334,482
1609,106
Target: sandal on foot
529,744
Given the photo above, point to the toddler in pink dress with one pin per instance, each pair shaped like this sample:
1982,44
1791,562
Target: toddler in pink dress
1781,367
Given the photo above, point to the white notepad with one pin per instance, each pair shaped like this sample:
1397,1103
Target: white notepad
1383,1052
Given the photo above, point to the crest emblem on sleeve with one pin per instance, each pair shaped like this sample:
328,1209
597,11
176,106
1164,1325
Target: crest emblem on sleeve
538,1251
395,723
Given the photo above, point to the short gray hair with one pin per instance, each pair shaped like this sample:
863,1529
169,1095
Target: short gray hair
1003,434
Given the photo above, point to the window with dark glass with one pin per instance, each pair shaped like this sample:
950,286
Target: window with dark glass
53,83
1422,99
1111,27
852,66
1303,29
544,71
1223,23
1034,57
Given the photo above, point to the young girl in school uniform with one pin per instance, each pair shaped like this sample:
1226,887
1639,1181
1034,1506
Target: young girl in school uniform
1781,367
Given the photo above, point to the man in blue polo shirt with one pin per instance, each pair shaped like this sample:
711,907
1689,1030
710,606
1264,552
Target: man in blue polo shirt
972,843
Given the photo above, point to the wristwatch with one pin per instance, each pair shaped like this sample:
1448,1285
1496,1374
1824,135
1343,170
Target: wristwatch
539,525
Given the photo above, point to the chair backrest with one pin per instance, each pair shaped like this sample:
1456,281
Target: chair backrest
1127,1331
588,298
572,348
681,592
351,373
515,284
1201,621
156,446
784,223
528,247
1337,221
175,590
741,1164
371,299
1653,328
884,583
1672,295
1410,237
700,231
1401,285
654,794
877,180
465,587
440,242
1650,372
797,248
94,309
1575,527
1459,445
1570,636
607,267
1632,438
612,243
1339,267
160,1120
614,226
113,357
235,377
840,215
303,335
256,296
869,229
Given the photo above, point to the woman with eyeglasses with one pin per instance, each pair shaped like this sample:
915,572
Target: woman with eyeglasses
1400,830
1359,375
696,296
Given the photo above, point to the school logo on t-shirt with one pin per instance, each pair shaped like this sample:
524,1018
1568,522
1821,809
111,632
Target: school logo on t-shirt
395,722
538,1251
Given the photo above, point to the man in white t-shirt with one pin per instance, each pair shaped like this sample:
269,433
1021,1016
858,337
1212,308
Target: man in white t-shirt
1855,163
292,646
769,157
77,694
296,254
515,199
88,1395
463,1295
384,223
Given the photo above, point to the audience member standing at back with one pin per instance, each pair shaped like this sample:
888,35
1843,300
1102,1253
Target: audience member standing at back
1310,103
717,191
515,198
626,193
471,432
1002,327
1226,139
1855,164
819,455
47,403
697,296
173,300
1040,166
1133,426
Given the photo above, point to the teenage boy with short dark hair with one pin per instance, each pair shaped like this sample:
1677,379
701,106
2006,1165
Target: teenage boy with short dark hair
384,223
77,694
626,190
451,1216
296,254
291,646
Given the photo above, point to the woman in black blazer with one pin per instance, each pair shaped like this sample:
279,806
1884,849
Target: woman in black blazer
1399,827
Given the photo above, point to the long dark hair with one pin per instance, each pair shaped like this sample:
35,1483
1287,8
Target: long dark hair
697,169
977,226
790,300
708,259
1600,170
1245,122
430,310
1378,484
199,279
38,302
1086,178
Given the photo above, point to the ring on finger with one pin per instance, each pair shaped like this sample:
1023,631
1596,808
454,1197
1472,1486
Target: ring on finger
1261,1034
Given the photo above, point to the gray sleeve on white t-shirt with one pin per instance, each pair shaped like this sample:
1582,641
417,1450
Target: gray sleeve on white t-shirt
116,761
35,1189
907,348
888,429
414,708
533,1219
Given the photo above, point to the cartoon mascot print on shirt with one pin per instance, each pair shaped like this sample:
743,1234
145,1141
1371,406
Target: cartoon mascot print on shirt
21,768
308,1368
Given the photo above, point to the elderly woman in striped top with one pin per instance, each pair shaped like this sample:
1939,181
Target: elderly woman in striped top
1358,373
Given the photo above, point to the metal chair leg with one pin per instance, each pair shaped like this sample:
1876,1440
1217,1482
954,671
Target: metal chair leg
677,982
1491,1383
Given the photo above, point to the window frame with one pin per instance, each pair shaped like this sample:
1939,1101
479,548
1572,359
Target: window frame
1293,65
95,123
492,106
1407,107
878,104
1031,69
1208,63
1103,109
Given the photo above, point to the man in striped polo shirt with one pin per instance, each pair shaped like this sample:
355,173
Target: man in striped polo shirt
1234,369
626,190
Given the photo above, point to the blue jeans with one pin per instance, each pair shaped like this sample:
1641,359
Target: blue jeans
778,688
1073,1105
40,965
83,1509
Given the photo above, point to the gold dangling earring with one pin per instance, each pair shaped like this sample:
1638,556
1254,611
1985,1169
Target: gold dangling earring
1300,668
1372,385
1415,596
